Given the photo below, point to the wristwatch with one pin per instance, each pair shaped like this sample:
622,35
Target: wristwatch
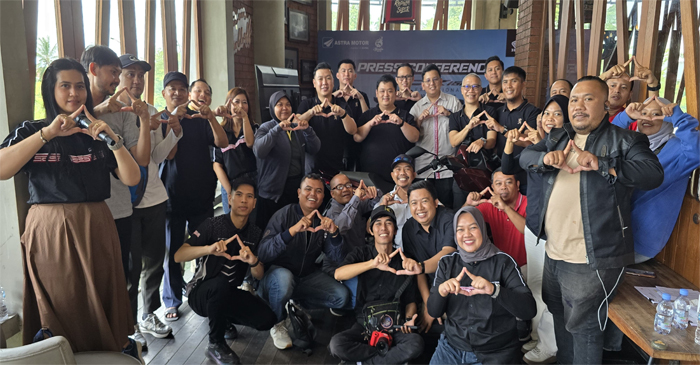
655,88
496,290
118,144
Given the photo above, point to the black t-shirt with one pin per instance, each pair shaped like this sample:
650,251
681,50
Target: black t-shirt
331,132
383,143
353,105
423,245
514,119
375,284
72,169
460,120
492,99
221,228
189,177
237,157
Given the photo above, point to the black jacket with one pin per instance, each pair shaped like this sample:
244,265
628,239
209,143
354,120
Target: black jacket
605,199
298,254
479,323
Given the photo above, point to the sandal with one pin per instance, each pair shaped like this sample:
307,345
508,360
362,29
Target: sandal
171,314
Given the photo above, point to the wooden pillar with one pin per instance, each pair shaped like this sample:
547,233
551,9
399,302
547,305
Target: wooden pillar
31,15
578,7
363,15
647,45
167,8
186,29
441,12
567,13
342,21
596,42
102,23
466,15
622,32
150,49
127,21
69,24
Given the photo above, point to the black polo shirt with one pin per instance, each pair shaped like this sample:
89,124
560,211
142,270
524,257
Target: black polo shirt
71,169
238,159
189,178
492,98
353,105
383,143
514,119
460,120
331,132
222,228
375,284
424,245
405,104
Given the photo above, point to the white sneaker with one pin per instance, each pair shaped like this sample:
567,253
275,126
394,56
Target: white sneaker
280,336
154,327
247,287
537,356
138,337
529,346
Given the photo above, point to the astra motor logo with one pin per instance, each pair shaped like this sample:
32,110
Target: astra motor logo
327,42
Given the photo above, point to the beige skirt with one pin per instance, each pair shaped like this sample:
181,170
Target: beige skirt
73,277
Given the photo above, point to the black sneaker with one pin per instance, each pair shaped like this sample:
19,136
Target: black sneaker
524,329
231,332
222,354
134,350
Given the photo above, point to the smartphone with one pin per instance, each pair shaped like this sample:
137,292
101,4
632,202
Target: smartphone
642,273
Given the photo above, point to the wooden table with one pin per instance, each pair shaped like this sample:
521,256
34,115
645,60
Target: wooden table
634,315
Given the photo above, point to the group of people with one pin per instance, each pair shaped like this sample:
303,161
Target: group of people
579,189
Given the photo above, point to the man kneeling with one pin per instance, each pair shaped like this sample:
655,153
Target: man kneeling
481,291
225,247
380,281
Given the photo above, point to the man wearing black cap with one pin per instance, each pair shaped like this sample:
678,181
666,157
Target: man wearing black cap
403,173
379,270
148,219
189,179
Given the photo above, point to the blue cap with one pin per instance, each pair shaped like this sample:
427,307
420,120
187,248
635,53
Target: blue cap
666,296
683,292
403,158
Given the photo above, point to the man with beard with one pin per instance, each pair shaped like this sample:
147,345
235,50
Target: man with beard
293,240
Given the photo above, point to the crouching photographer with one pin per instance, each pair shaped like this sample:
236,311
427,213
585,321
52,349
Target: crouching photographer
386,292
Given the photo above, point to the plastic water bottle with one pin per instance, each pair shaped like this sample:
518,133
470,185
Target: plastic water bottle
664,315
697,330
681,307
3,308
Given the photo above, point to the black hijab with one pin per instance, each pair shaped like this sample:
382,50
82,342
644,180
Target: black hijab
274,99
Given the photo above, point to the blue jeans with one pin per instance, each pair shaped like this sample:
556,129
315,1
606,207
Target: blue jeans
352,286
574,293
446,354
316,290
224,201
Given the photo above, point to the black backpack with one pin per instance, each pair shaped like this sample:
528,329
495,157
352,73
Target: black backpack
302,331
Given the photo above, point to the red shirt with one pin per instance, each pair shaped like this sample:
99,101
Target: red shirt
632,126
505,236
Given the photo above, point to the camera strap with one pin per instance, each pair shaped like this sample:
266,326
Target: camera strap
402,288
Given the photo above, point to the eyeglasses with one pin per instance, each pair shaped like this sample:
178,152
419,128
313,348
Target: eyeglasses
341,187
467,87
402,78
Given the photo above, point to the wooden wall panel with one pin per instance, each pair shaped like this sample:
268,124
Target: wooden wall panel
69,24
596,42
150,40
566,13
127,27
540,60
682,252
102,23
31,15
648,42
167,8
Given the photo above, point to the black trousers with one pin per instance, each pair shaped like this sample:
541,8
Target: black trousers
147,255
444,191
266,208
351,346
124,232
222,304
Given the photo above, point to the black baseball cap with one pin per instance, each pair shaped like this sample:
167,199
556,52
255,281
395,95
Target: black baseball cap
174,76
382,211
403,158
129,59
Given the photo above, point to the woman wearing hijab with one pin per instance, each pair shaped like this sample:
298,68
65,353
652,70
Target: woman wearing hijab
280,148
654,212
543,347
482,292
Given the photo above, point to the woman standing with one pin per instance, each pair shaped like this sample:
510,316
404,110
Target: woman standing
280,148
74,282
237,159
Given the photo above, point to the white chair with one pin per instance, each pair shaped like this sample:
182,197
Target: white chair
56,350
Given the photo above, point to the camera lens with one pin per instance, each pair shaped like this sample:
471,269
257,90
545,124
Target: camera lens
382,346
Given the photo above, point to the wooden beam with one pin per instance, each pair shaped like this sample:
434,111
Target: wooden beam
127,27
466,15
647,45
31,16
69,24
622,30
673,55
691,45
102,23
540,59
342,21
363,15
567,14
186,29
441,12
550,36
578,7
199,55
596,42
167,8
150,49
419,6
